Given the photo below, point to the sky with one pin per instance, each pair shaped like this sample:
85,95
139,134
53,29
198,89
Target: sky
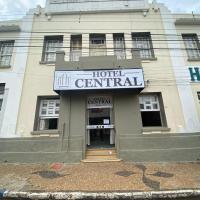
15,8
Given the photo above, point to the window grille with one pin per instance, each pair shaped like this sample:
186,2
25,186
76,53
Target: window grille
51,45
192,46
98,45
151,113
149,103
49,108
75,47
2,90
48,114
198,96
143,43
6,50
119,46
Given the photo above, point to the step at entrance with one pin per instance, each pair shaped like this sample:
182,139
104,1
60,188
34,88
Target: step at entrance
101,155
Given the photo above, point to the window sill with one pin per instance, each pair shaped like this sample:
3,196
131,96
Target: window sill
155,129
47,63
53,132
153,58
193,59
148,59
5,66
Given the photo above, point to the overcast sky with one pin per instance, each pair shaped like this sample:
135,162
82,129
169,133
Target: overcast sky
15,8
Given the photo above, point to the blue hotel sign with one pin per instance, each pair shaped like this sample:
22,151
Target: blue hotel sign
194,73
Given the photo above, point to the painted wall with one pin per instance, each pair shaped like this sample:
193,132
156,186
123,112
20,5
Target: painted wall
57,6
13,77
190,28
39,77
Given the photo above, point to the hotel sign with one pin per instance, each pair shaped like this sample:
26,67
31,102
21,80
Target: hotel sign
99,102
194,73
98,79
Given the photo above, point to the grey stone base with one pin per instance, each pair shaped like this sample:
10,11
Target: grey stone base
133,148
160,147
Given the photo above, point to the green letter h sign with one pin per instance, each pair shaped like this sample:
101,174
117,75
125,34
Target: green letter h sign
194,73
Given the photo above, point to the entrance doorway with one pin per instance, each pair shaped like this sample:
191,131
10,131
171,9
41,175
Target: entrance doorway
100,128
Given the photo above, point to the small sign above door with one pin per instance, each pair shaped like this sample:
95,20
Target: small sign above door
99,102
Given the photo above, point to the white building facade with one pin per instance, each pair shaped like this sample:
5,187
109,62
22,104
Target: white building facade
117,74
14,47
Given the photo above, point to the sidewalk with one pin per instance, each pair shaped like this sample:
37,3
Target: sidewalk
99,177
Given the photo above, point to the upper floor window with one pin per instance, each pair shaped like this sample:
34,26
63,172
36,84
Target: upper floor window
75,47
48,114
2,90
97,45
192,45
143,43
51,45
152,111
6,50
119,45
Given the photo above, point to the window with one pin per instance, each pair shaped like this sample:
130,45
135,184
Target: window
6,50
48,114
198,96
2,90
151,112
119,46
143,43
192,45
51,45
97,45
75,47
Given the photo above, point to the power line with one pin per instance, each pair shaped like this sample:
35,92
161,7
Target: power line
106,48
135,20
81,33
56,33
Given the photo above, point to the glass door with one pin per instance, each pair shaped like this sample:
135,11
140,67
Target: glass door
100,126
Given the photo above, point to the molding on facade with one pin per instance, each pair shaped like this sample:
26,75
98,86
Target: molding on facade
55,7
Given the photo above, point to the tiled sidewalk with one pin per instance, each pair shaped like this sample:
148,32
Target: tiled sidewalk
118,176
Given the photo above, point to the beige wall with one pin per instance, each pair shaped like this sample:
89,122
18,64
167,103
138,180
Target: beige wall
39,77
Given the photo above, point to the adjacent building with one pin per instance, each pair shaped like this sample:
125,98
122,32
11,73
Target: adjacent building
109,74
14,44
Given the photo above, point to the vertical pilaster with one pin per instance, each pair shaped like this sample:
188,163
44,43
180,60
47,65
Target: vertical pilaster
128,45
85,45
109,44
66,46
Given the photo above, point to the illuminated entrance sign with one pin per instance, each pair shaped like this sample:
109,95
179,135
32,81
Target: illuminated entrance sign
98,79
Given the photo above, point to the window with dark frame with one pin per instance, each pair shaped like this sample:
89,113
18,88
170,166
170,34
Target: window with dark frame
151,111
98,45
2,91
192,45
51,45
142,42
119,45
75,47
48,114
198,96
6,51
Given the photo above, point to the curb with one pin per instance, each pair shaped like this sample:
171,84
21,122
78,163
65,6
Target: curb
101,195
